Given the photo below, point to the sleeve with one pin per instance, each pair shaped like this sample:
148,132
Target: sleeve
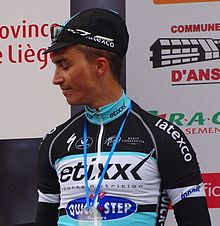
181,177
48,189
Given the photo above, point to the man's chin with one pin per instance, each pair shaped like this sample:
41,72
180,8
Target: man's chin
73,102
69,101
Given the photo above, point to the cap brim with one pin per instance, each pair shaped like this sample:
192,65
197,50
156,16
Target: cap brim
59,45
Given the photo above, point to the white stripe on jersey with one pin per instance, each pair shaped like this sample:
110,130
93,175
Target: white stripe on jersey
178,194
48,198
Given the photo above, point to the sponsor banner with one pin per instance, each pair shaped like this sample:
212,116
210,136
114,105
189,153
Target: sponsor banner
173,71
27,95
193,123
181,54
212,189
177,74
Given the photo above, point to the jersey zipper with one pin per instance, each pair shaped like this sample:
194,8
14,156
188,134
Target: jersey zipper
99,149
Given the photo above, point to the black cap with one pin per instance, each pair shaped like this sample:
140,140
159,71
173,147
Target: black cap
98,28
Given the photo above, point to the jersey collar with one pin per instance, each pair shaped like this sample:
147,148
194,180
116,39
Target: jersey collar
108,112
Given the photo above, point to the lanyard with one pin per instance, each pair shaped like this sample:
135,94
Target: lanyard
107,161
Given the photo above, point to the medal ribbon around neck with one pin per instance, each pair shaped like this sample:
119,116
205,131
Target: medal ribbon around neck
107,161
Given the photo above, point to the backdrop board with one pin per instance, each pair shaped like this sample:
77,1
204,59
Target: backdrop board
26,95
173,71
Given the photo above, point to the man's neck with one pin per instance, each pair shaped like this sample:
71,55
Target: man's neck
106,97
109,112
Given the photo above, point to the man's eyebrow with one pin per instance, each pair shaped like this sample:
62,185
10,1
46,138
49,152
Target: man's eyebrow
59,60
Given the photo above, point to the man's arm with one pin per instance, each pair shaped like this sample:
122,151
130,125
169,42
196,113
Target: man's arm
181,177
47,214
48,189
192,212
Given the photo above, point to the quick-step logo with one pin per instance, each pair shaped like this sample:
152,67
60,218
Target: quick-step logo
110,207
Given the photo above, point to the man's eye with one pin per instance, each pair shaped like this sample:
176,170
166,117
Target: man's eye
65,67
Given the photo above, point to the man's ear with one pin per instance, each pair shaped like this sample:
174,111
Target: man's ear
102,66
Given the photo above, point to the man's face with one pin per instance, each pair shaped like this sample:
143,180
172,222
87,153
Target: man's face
75,75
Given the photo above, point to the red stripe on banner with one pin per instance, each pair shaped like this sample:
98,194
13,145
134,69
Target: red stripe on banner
181,1
212,189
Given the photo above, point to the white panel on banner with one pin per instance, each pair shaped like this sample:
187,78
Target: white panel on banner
30,104
173,71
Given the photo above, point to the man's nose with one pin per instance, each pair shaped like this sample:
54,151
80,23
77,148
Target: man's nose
57,78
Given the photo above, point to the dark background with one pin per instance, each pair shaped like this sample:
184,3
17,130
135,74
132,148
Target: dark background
18,172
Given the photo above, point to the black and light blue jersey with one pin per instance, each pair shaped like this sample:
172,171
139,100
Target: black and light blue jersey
153,165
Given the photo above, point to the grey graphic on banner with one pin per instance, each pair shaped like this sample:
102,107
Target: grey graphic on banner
175,51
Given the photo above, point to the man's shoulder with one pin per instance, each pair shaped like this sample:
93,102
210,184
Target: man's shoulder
146,115
157,124
56,131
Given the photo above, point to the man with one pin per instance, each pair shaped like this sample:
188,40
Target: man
112,163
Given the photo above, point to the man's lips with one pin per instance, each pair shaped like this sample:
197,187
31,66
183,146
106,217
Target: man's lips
65,91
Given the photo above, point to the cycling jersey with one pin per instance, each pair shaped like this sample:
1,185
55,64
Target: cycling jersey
153,163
